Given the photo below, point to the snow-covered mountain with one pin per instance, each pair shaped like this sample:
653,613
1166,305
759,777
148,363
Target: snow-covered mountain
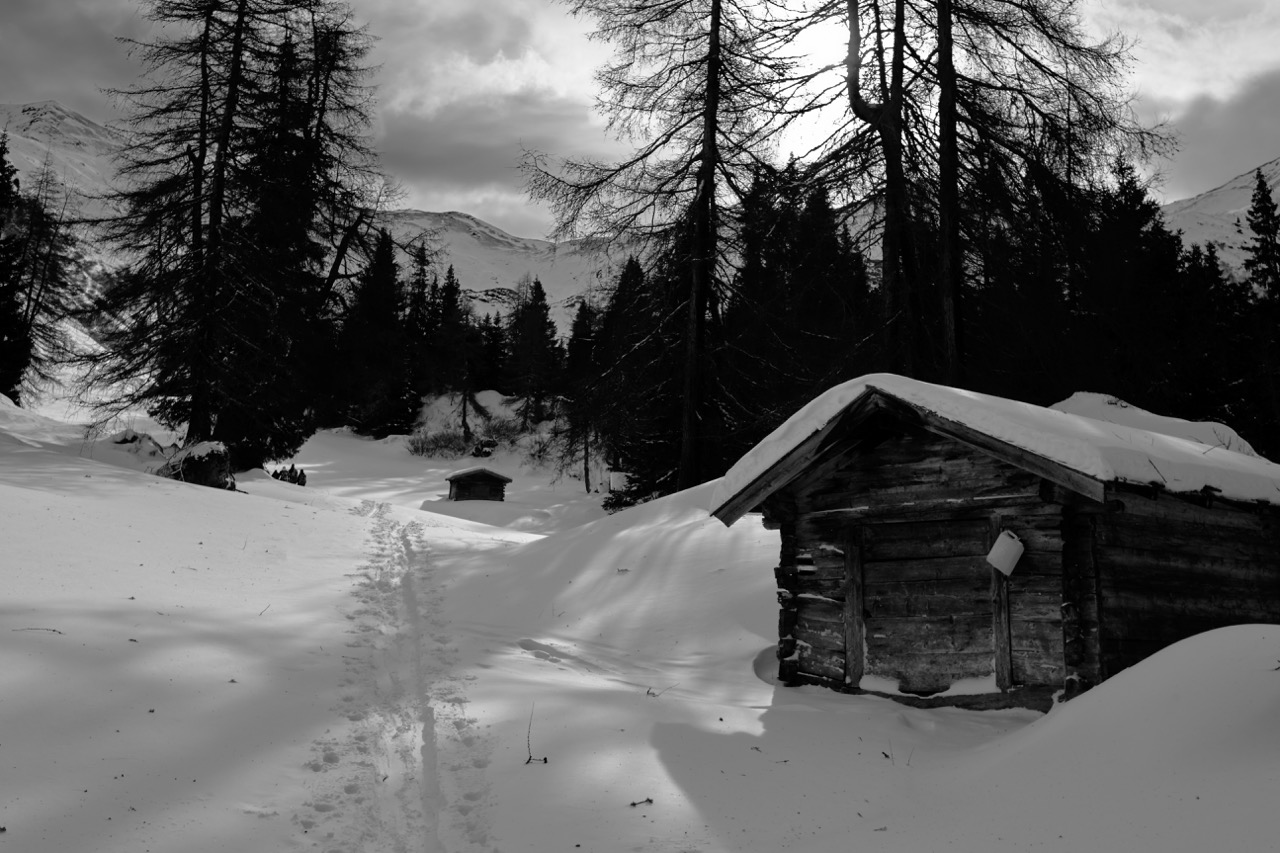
80,152
484,257
1219,216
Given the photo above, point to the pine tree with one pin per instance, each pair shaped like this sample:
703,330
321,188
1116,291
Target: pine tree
494,370
15,342
581,390
1263,252
535,356
246,183
36,287
380,396
418,322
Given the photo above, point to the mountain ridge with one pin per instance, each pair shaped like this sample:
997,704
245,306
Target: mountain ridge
1220,215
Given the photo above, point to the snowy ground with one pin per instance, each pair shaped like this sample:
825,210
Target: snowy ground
330,668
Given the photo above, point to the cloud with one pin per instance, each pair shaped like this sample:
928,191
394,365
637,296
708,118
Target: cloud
1221,137
471,148
1185,49
66,50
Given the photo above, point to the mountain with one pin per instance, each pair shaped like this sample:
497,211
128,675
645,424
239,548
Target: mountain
79,151
486,258
81,154
1219,216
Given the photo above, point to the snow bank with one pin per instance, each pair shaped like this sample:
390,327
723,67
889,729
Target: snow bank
1108,452
1104,407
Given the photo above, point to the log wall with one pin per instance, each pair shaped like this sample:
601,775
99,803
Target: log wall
1168,569
914,518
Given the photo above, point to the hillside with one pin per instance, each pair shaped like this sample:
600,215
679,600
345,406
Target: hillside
1219,216
81,151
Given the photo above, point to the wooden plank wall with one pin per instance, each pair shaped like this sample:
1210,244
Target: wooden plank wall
1168,569
923,510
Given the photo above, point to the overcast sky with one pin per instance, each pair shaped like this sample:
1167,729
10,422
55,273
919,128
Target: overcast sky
464,85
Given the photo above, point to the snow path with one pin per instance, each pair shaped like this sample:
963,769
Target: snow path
385,780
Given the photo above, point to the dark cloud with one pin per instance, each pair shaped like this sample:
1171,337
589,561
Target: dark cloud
475,145
66,50
1219,139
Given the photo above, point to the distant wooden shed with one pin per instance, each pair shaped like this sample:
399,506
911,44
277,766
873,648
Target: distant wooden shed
890,494
477,484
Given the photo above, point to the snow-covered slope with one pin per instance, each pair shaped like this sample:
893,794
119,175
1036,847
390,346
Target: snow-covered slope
78,150
1219,216
325,668
485,257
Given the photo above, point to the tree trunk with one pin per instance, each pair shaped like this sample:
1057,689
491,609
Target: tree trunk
703,224
895,244
200,419
950,266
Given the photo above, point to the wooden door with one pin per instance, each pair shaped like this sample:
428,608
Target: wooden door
928,603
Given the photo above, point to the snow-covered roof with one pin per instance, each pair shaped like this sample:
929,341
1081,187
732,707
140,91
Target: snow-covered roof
1098,451
475,472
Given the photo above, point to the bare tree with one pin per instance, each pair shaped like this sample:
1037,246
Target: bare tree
697,85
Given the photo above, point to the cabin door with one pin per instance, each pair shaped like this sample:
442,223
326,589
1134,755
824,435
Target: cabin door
925,596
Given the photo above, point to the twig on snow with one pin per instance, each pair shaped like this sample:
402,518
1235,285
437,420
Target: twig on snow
528,740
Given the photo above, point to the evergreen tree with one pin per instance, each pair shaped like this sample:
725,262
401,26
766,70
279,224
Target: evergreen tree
494,370
15,342
1263,266
248,178
36,288
639,389
374,349
581,392
1263,252
535,356
418,321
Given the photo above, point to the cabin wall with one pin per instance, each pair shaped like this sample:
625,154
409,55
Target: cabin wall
477,490
1169,569
884,553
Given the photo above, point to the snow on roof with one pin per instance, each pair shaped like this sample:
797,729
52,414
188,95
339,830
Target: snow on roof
477,470
1104,407
1105,451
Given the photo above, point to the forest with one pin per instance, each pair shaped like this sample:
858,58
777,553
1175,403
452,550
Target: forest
969,207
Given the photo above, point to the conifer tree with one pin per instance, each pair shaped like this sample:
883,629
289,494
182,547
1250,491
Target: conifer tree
245,184
374,349
581,389
1263,252
36,289
494,370
418,321
535,356
15,342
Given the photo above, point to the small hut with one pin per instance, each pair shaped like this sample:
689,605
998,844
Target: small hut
477,484
895,498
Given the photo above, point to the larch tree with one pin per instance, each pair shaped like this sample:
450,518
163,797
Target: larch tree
245,180
695,84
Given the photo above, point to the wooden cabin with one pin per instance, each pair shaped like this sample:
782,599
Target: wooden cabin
477,484
890,494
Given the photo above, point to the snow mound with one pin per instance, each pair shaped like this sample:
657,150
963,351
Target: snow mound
1113,410
1179,752
641,581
